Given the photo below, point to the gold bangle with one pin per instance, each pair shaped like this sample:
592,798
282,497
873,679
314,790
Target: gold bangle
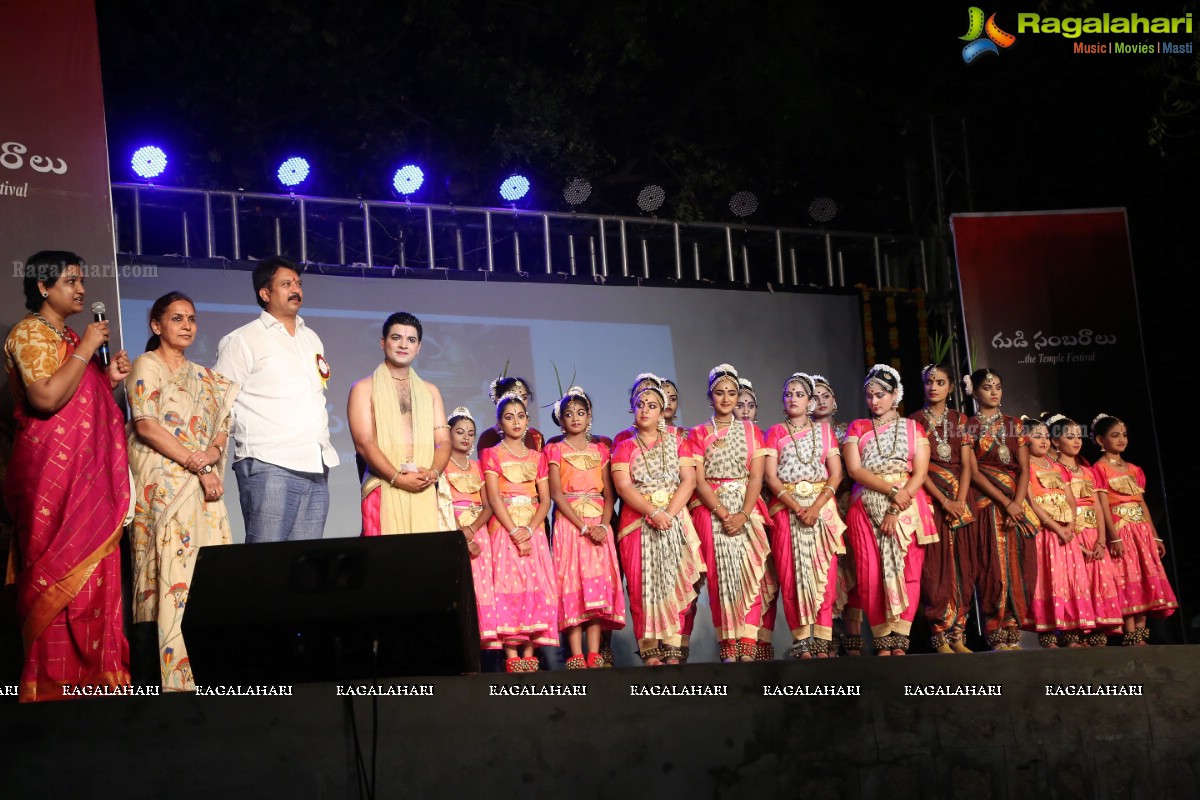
392,482
81,358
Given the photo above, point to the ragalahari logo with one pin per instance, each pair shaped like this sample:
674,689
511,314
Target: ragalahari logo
976,28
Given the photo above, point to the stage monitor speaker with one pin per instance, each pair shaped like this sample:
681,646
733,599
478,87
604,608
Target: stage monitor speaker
332,610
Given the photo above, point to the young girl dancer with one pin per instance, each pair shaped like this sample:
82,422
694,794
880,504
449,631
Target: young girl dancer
948,484
590,596
890,522
671,391
471,513
1007,525
1060,608
747,402
1139,550
847,611
730,519
523,571
803,467
500,387
660,552
1066,437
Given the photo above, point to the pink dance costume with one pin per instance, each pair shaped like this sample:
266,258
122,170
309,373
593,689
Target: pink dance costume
526,602
589,582
1140,573
466,487
888,568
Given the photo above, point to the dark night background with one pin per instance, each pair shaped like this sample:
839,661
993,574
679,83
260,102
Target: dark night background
789,100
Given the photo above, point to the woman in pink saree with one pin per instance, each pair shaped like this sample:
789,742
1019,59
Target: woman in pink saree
890,520
731,520
67,488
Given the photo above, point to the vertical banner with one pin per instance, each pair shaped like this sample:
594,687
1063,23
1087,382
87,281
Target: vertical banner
1049,302
54,182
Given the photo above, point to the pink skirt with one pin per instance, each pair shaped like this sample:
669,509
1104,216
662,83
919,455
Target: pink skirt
485,595
589,582
1062,596
526,601
1102,583
1140,574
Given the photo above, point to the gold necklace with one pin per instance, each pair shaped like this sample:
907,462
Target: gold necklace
718,440
646,451
504,444
399,379
1075,470
464,467
894,449
792,430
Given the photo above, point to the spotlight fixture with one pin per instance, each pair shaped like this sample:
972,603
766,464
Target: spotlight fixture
514,188
823,209
148,162
408,180
293,172
651,198
577,192
743,204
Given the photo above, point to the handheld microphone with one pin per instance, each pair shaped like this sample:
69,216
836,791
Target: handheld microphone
98,316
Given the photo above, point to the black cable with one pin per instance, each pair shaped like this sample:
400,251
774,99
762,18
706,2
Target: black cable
365,788
374,713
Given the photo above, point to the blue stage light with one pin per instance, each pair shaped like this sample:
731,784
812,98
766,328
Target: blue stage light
148,162
293,172
408,179
514,188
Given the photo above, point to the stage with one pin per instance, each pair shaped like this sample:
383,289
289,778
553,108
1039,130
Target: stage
987,726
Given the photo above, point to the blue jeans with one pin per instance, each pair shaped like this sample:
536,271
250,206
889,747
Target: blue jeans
280,504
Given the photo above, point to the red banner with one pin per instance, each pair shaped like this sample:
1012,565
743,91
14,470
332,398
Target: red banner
1049,302
54,183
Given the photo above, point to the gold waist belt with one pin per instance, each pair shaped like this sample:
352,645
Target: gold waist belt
1056,505
587,504
520,509
659,497
805,488
894,477
1086,517
1130,511
466,514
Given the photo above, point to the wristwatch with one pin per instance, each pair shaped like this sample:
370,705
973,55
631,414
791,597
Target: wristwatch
206,469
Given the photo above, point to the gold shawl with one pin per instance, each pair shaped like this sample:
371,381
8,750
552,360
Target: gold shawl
401,511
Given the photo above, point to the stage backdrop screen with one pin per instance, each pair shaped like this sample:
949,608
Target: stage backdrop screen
600,335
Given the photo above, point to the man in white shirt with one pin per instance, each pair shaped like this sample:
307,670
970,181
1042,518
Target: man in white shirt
282,453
